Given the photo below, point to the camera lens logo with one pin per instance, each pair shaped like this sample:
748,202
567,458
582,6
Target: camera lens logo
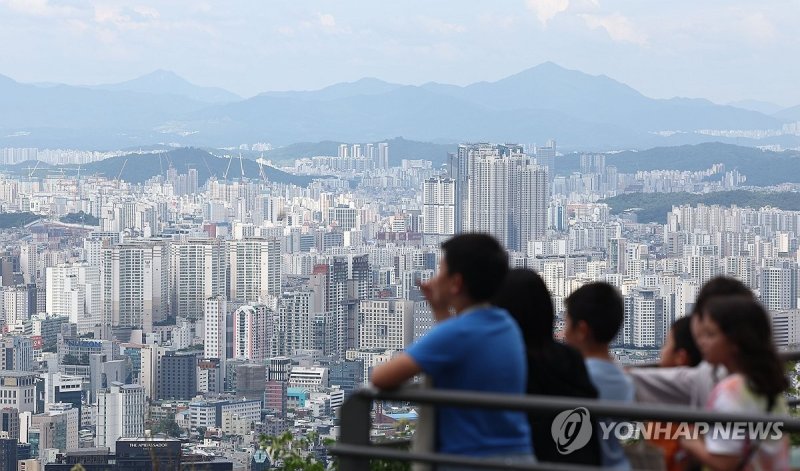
571,430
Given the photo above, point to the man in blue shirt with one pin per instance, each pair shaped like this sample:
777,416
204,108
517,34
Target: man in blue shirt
473,347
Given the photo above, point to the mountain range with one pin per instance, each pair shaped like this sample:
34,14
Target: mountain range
547,101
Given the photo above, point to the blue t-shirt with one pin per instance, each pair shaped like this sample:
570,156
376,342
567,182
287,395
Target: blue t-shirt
480,350
612,385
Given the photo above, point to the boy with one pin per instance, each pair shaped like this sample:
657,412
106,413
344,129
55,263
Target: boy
479,349
594,315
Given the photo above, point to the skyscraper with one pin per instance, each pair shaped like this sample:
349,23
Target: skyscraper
386,324
500,191
546,156
136,284
383,155
198,273
438,209
74,290
255,269
252,332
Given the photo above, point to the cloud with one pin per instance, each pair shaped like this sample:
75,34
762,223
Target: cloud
546,10
758,27
438,26
326,20
618,27
38,8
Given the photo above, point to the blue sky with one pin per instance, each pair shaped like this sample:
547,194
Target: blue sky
723,50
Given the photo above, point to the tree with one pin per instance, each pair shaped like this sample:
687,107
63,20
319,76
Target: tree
288,453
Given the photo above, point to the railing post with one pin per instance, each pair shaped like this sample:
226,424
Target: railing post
355,426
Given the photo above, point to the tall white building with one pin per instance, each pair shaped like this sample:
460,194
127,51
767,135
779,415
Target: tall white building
438,209
295,327
198,273
383,155
499,190
529,197
779,287
74,290
252,329
386,324
16,305
255,269
120,414
135,278
214,319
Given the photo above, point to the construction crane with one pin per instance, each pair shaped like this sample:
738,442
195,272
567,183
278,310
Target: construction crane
225,176
119,175
33,170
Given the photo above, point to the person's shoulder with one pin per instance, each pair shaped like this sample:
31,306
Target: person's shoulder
732,384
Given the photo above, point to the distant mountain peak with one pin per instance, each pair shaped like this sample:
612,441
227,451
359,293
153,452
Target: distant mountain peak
162,81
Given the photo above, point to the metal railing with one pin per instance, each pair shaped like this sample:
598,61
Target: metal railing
355,450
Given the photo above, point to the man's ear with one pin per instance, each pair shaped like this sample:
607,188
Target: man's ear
582,328
456,284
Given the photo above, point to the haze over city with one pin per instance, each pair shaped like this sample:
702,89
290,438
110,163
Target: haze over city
721,50
268,235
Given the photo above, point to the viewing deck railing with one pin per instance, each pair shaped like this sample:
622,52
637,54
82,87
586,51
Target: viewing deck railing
355,450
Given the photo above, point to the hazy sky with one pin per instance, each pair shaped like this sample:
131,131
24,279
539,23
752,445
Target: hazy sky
723,50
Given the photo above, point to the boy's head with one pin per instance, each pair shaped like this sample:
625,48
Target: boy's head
594,315
472,268
679,347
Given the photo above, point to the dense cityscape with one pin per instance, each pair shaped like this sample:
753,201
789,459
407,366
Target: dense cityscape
219,311
399,236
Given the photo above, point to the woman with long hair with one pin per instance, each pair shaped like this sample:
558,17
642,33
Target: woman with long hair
554,369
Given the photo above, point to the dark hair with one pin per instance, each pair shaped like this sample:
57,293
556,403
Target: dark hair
683,340
480,260
525,296
719,286
745,323
600,306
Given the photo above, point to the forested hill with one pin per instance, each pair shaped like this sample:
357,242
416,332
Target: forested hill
653,207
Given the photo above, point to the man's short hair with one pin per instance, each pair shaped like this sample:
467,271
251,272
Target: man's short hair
720,286
481,261
600,306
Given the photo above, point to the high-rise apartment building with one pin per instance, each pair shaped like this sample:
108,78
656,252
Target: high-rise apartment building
74,290
500,190
198,273
255,269
252,332
383,155
779,286
135,278
386,324
438,209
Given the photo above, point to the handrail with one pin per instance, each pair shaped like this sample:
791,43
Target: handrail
355,450
537,403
